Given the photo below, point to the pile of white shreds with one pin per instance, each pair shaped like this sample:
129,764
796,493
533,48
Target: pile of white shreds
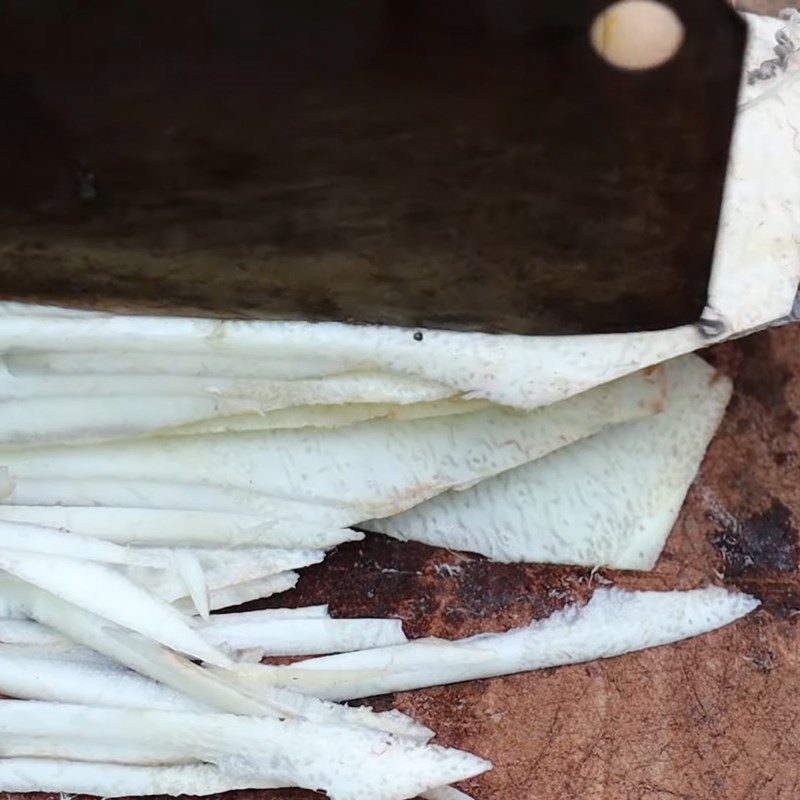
160,469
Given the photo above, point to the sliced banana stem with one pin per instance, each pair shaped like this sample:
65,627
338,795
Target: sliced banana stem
58,776
230,596
133,651
608,500
78,675
35,538
107,593
296,637
374,469
347,762
175,527
220,569
612,623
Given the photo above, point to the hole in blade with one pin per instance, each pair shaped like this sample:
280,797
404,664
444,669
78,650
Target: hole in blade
637,35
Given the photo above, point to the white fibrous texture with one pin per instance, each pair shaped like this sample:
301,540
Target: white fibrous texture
612,623
608,500
345,475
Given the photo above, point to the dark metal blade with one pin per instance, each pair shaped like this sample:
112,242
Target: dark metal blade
465,164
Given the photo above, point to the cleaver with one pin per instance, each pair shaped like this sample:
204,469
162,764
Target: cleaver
457,164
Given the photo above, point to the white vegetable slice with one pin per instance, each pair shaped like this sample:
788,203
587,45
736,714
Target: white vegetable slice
394,722
79,750
307,416
56,672
161,363
353,387
63,649
223,568
279,513
66,665
36,676
230,596
155,526
131,650
55,420
47,540
329,416
62,777
297,637
348,763
525,372
28,632
126,780
76,409
226,567
612,623
86,678
109,594
190,573
608,500
230,626
373,469
72,674
753,283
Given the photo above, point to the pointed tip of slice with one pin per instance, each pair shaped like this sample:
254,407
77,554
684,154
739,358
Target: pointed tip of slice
699,610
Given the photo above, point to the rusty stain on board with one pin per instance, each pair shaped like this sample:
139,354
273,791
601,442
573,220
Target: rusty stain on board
759,544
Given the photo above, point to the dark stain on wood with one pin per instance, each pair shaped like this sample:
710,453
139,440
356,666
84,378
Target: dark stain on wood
760,544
